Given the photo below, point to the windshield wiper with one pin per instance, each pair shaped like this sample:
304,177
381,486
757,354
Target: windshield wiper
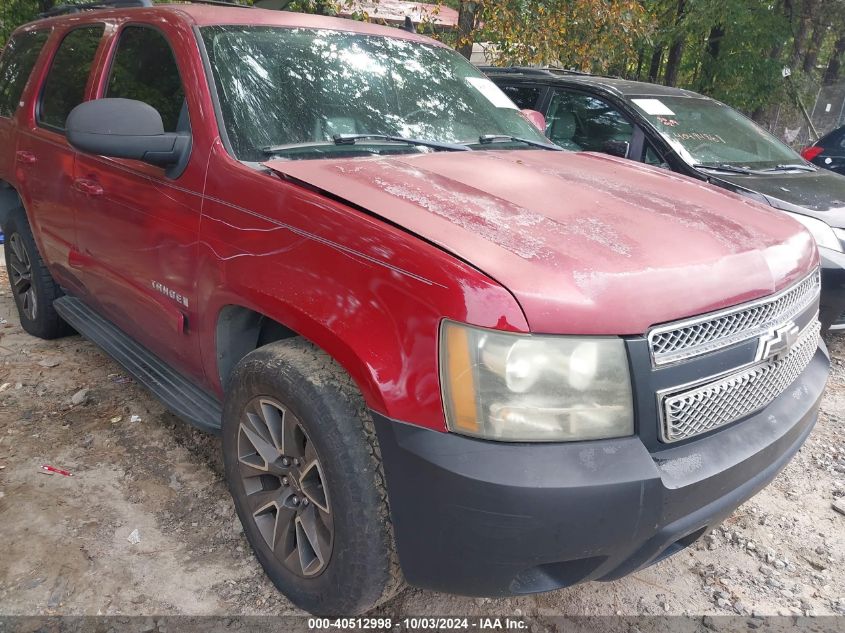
351,139
279,149
489,139
724,167
790,168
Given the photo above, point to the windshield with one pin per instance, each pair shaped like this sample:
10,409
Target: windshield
282,87
705,132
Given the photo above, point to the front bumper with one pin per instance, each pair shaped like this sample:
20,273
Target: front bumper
484,518
832,308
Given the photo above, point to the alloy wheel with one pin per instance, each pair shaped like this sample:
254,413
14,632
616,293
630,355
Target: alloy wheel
285,487
21,277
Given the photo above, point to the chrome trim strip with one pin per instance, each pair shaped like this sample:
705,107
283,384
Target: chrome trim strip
659,359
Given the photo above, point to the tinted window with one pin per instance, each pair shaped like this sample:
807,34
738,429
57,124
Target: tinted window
64,88
523,96
15,65
652,157
581,121
144,69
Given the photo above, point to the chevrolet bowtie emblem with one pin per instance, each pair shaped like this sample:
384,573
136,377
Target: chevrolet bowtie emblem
776,343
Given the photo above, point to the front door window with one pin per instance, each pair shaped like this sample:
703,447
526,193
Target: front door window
579,121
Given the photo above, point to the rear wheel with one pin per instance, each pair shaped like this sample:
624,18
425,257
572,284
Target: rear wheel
304,469
31,283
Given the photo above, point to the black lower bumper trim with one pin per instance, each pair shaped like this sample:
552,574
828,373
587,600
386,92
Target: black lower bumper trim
832,308
484,518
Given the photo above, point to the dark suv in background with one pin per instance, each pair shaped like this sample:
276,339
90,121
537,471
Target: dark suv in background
696,136
828,152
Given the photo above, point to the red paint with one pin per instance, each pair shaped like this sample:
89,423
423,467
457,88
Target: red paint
535,118
521,241
58,471
587,244
809,153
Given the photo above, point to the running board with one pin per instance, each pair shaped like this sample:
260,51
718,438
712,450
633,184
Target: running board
180,395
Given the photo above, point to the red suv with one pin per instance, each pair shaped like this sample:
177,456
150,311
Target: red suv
438,349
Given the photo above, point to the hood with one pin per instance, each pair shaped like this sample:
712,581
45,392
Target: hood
588,244
820,194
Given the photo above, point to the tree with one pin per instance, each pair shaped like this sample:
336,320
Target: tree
13,13
467,22
594,35
834,64
673,61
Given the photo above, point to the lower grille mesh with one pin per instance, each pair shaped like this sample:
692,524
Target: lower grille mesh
715,404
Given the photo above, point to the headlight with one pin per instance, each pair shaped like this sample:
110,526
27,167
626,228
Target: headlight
527,388
824,235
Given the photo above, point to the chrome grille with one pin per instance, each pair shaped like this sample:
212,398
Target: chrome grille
685,339
714,404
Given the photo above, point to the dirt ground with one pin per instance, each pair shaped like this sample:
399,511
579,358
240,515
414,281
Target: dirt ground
65,540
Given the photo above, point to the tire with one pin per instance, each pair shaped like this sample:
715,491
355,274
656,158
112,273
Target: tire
284,396
31,283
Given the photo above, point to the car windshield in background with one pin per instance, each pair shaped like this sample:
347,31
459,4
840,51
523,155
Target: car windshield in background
293,92
707,133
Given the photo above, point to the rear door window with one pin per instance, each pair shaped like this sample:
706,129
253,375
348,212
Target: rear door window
16,64
144,69
526,97
64,88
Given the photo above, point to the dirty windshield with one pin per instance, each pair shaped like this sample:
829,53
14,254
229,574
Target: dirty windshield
705,132
292,93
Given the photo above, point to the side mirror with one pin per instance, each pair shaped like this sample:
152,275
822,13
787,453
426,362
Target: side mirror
124,128
616,148
534,118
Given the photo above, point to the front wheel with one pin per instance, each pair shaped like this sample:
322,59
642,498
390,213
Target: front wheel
303,466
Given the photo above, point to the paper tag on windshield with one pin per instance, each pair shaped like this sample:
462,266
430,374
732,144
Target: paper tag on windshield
654,107
492,92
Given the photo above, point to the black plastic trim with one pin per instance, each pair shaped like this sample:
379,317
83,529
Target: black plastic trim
178,393
833,288
487,518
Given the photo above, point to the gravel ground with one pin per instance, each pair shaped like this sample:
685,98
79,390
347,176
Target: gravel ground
67,548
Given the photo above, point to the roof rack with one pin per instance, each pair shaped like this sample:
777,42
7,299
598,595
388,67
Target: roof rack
221,3
545,71
64,9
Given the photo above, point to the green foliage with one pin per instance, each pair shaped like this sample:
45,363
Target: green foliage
13,13
592,35
755,40
733,50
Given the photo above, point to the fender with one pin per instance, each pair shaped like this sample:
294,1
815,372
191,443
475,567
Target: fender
369,294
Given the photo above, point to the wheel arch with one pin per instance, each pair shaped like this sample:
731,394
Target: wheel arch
10,200
240,330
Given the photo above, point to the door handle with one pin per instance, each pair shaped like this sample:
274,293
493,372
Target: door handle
88,187
25,158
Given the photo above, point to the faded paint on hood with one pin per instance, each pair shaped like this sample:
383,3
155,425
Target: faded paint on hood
587,244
